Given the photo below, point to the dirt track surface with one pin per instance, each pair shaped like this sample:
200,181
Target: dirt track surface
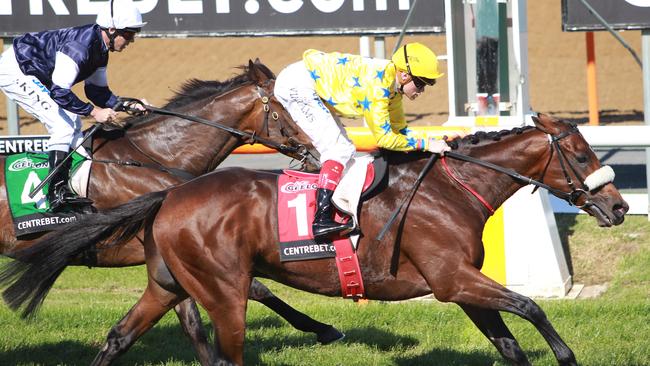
154,68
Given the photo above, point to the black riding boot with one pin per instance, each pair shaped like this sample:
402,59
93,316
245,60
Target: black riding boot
59,194
324,224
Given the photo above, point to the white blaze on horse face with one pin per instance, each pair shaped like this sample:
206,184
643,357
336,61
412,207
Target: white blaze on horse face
600,177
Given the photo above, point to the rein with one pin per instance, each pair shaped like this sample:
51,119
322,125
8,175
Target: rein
510,172
570,197
254,138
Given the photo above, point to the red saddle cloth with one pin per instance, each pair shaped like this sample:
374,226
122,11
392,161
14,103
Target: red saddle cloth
296,208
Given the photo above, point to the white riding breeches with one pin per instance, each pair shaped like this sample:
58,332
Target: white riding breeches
296,90
27,91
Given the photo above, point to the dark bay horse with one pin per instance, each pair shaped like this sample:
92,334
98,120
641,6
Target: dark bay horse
164,145
228,234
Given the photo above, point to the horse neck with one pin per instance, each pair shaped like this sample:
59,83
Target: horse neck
525,153
192,146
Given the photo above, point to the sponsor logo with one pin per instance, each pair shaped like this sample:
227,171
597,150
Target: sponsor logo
27,163
301,185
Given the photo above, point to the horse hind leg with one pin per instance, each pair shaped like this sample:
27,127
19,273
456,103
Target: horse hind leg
154,303
190,319
325,333
480,291
490,323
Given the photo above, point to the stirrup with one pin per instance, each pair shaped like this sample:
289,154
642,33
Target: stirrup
330,228
66,199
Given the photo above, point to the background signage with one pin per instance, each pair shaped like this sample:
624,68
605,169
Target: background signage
178,18
620,14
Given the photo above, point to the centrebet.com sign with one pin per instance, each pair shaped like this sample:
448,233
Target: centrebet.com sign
234,17
18,144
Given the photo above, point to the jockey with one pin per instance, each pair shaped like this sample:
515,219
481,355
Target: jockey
40,69
355,86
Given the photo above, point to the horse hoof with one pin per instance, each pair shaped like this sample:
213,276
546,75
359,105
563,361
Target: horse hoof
330,335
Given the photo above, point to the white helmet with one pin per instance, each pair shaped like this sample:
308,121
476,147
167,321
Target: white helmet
120,14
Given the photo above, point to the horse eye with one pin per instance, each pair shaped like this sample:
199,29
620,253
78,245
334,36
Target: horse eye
581,159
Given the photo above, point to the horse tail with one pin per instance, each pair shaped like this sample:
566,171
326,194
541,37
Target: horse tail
35,269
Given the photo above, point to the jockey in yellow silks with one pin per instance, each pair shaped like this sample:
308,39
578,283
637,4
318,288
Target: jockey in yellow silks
355,86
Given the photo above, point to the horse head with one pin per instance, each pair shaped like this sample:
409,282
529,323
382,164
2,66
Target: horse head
575,172
287,132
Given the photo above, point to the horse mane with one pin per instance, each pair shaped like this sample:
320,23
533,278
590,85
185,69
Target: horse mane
487,137
398,157
194,90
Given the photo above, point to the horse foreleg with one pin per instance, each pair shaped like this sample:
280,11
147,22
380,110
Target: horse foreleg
468,286
190,319
325,333
490,323
153,304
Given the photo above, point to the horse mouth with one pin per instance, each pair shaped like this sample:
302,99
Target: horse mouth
614,218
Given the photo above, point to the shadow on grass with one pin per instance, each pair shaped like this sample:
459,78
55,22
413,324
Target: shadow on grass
164,344
158,346
451,357
371,337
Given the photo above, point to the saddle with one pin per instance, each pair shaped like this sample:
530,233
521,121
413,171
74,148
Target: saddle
364,178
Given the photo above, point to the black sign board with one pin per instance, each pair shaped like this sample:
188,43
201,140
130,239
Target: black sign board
178,18
620,14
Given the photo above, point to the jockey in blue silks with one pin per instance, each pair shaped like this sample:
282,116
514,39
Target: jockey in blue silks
40,69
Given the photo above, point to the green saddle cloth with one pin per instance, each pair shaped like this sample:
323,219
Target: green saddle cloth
23,172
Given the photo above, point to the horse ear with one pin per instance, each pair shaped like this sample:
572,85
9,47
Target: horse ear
256,72
547,123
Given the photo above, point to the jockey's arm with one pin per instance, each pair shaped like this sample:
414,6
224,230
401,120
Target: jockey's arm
64,75
96,89
388,125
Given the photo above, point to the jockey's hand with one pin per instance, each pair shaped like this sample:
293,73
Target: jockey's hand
106,116
438,146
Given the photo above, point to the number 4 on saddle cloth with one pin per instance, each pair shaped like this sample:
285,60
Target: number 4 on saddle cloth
296,208
25,171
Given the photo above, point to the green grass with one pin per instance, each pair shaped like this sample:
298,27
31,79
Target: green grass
612,329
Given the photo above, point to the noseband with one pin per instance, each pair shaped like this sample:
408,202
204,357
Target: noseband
576,192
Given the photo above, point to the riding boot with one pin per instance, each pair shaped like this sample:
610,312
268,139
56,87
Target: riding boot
59,193
324,224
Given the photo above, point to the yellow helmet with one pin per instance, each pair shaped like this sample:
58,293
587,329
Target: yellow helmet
422,62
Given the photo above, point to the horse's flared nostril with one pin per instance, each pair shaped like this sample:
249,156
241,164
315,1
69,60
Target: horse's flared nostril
620,209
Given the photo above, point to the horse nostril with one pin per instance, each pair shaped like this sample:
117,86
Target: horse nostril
620,209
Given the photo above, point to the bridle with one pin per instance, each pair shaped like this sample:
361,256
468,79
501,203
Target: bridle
571,197
297,149
554,141
575,193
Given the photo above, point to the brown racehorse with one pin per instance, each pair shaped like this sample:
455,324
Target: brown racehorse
228,233
163,146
